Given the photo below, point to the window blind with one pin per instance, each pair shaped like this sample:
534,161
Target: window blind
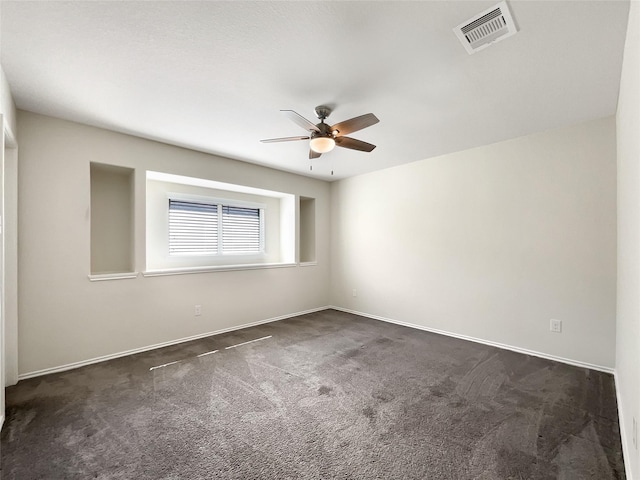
205,229
241,230
193,228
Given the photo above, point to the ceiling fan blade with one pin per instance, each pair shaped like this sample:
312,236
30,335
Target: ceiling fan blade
284,139
300,120
354,144
313,154
355,124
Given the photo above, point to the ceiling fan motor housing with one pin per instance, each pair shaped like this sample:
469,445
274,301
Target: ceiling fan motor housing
324,131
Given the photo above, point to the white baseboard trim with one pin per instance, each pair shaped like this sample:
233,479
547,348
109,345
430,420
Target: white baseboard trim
111,356
1,421
626,452
70,366
575,363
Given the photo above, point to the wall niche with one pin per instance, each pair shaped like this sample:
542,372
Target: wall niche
111,219
307,230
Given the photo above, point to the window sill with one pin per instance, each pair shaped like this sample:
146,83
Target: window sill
101,277
210,269
308,264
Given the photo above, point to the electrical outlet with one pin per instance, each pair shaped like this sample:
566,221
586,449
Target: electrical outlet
556,326
355,292
197,311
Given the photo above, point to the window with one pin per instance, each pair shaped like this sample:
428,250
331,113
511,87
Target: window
241,230
198,228
196,225
193,228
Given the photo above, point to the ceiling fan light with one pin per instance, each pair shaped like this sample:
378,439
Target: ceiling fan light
322,144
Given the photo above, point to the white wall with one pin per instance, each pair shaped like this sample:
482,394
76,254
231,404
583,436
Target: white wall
65,318
11,265
7,107
489,243
8,199
628,302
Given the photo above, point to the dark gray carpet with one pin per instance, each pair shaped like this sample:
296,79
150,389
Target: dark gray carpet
328,396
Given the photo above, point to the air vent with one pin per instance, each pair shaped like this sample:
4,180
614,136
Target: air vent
492,25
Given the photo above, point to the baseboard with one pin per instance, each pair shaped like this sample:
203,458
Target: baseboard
575,363
71,366
103,358
626,453
1,421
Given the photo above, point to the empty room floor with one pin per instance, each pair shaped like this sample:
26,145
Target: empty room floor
328,395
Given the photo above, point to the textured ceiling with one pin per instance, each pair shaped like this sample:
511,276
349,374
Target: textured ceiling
213,76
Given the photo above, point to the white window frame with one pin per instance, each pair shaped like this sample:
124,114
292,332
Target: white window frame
220,203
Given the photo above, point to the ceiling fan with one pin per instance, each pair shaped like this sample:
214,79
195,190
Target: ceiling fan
324,137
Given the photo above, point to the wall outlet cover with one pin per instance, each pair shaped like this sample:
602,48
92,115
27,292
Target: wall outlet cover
556,326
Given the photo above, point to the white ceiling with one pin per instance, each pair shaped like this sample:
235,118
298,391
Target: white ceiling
213,76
